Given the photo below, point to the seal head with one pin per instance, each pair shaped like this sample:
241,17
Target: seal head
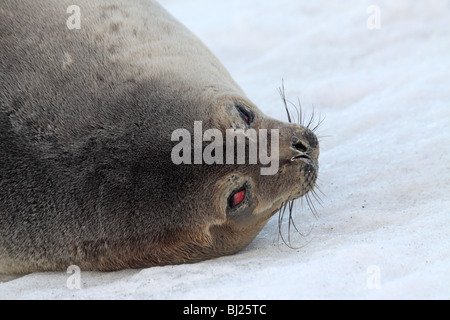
86,120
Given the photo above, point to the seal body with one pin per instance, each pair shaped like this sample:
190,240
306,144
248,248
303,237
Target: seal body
86,117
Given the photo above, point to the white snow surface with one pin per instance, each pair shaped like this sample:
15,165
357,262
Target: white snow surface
383,229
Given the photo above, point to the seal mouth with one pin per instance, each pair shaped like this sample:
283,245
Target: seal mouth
303,157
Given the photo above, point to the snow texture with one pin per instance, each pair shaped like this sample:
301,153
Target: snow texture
383,229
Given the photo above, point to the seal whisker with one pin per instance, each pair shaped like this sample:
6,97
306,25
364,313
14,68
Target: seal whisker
317,197
311,205
320,138
321,120
280,220
311,119
316,187
300,115
280,223
291,205
299,112
298,109
291,220
283,98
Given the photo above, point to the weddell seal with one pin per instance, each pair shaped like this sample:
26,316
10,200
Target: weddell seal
91,93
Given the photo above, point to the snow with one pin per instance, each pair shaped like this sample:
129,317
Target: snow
383,229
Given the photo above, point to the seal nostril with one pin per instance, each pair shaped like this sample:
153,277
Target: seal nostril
300,146
311,139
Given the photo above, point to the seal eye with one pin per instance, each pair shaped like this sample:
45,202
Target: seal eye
245,114
237,197
240,204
